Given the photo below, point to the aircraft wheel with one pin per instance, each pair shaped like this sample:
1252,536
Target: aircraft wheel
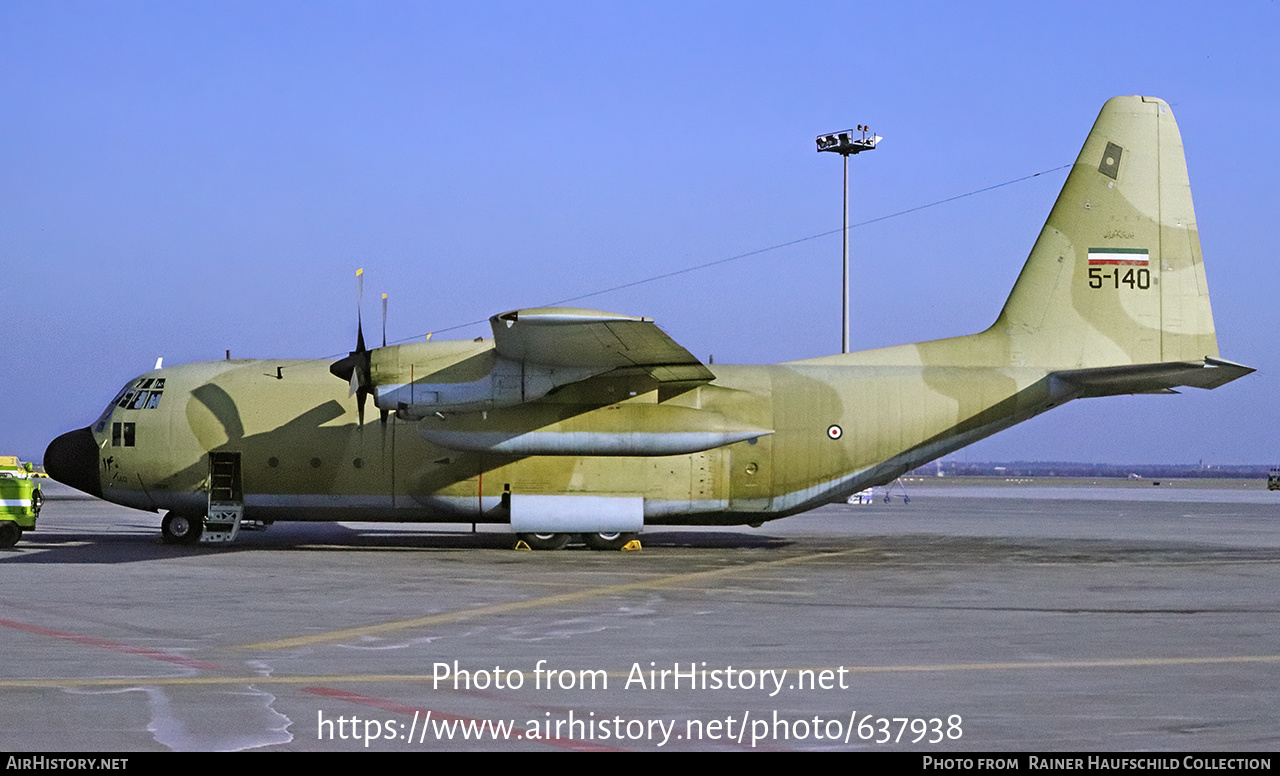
546,541
181,529
10,533
608,541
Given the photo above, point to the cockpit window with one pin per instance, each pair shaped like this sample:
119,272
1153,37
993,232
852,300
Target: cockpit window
141,394
106,414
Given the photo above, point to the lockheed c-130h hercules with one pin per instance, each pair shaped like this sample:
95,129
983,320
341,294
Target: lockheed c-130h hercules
579,422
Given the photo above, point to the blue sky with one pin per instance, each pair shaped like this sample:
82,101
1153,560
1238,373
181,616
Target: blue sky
179,179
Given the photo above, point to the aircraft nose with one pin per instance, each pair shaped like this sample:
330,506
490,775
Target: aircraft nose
72,459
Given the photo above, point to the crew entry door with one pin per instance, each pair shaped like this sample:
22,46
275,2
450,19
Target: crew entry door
226,499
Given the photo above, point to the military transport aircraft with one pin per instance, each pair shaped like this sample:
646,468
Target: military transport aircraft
573,422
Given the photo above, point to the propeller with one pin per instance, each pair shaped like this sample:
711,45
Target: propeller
355,368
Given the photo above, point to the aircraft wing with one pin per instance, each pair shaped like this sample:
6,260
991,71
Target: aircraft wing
591,339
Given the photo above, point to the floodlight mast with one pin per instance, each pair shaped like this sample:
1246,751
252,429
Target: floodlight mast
846,143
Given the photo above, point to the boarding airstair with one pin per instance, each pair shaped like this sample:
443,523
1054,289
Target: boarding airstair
226,499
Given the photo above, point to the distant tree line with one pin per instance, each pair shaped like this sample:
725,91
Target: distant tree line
1067,469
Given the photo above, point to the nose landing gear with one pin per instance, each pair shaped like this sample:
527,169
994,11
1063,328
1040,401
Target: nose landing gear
181,529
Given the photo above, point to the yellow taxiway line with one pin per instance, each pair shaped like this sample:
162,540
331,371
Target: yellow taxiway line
534,603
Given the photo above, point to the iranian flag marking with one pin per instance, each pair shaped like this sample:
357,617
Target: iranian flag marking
1125,257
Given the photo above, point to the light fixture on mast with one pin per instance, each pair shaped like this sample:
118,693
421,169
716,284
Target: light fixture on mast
846,143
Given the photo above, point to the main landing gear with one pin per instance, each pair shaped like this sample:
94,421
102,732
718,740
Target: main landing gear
596,541
608,541
547,541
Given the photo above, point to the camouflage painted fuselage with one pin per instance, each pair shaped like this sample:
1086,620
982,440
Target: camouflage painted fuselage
836,429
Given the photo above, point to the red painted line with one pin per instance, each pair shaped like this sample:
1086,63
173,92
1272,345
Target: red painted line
1122,262
93,641
400,708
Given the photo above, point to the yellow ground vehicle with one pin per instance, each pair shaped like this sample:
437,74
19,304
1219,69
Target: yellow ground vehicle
20,499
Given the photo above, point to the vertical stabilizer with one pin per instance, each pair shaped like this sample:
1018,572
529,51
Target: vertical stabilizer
1115,277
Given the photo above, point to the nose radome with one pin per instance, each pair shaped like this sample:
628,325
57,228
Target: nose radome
72,459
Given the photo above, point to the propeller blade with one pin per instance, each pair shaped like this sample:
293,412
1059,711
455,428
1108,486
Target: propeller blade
345,367
359,304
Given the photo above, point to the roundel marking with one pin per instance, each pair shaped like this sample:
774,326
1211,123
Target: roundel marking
834,432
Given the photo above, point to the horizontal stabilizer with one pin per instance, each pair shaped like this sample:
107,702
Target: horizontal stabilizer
1153,378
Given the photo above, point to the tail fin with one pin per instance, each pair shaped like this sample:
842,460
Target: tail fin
1115,277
